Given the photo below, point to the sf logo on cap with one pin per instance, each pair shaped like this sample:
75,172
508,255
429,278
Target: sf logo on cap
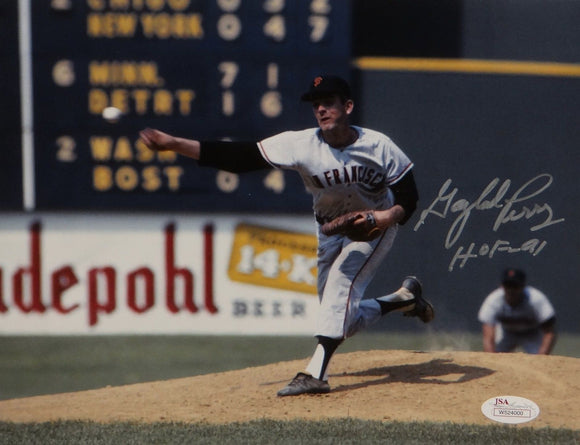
317,81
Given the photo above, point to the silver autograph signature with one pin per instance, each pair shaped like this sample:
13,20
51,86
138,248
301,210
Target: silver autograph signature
492,197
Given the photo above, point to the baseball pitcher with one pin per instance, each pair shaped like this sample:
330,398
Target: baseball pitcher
363,189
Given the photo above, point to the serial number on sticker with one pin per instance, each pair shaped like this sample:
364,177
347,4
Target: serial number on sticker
511,412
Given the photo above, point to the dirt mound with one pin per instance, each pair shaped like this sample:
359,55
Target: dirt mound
377,385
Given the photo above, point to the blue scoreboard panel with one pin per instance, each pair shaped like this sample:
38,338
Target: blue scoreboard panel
205,69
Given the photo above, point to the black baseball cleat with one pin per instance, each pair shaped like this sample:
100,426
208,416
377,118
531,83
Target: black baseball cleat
304,384
423,308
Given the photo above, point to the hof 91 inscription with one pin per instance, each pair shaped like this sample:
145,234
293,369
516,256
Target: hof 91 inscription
209,69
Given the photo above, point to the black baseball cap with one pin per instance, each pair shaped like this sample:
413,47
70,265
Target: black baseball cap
326,85
514,277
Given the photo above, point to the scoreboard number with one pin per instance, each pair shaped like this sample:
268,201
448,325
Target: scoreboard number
275,28
275,181
66,146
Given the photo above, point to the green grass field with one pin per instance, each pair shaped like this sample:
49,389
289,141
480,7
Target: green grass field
47,365
331,432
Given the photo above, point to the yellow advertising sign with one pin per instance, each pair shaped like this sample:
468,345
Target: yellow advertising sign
274,258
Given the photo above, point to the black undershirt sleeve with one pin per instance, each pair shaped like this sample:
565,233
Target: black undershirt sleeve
406,195
235,157
549,323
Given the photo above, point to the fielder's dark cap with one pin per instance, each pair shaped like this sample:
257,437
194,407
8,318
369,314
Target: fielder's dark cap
327,85
514,277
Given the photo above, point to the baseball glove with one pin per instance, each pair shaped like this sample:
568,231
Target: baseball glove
358,226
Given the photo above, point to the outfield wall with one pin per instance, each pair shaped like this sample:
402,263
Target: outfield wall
496,162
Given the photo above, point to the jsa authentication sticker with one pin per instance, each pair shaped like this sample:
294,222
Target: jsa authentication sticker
510,409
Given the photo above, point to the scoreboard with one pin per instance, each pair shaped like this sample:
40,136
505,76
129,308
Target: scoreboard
205,69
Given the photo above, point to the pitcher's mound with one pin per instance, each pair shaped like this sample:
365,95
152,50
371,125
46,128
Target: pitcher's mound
372,385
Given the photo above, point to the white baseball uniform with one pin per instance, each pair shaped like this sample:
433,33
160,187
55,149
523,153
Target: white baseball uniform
519,325
355,177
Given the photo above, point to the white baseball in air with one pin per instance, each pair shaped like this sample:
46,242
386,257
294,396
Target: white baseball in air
112,114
